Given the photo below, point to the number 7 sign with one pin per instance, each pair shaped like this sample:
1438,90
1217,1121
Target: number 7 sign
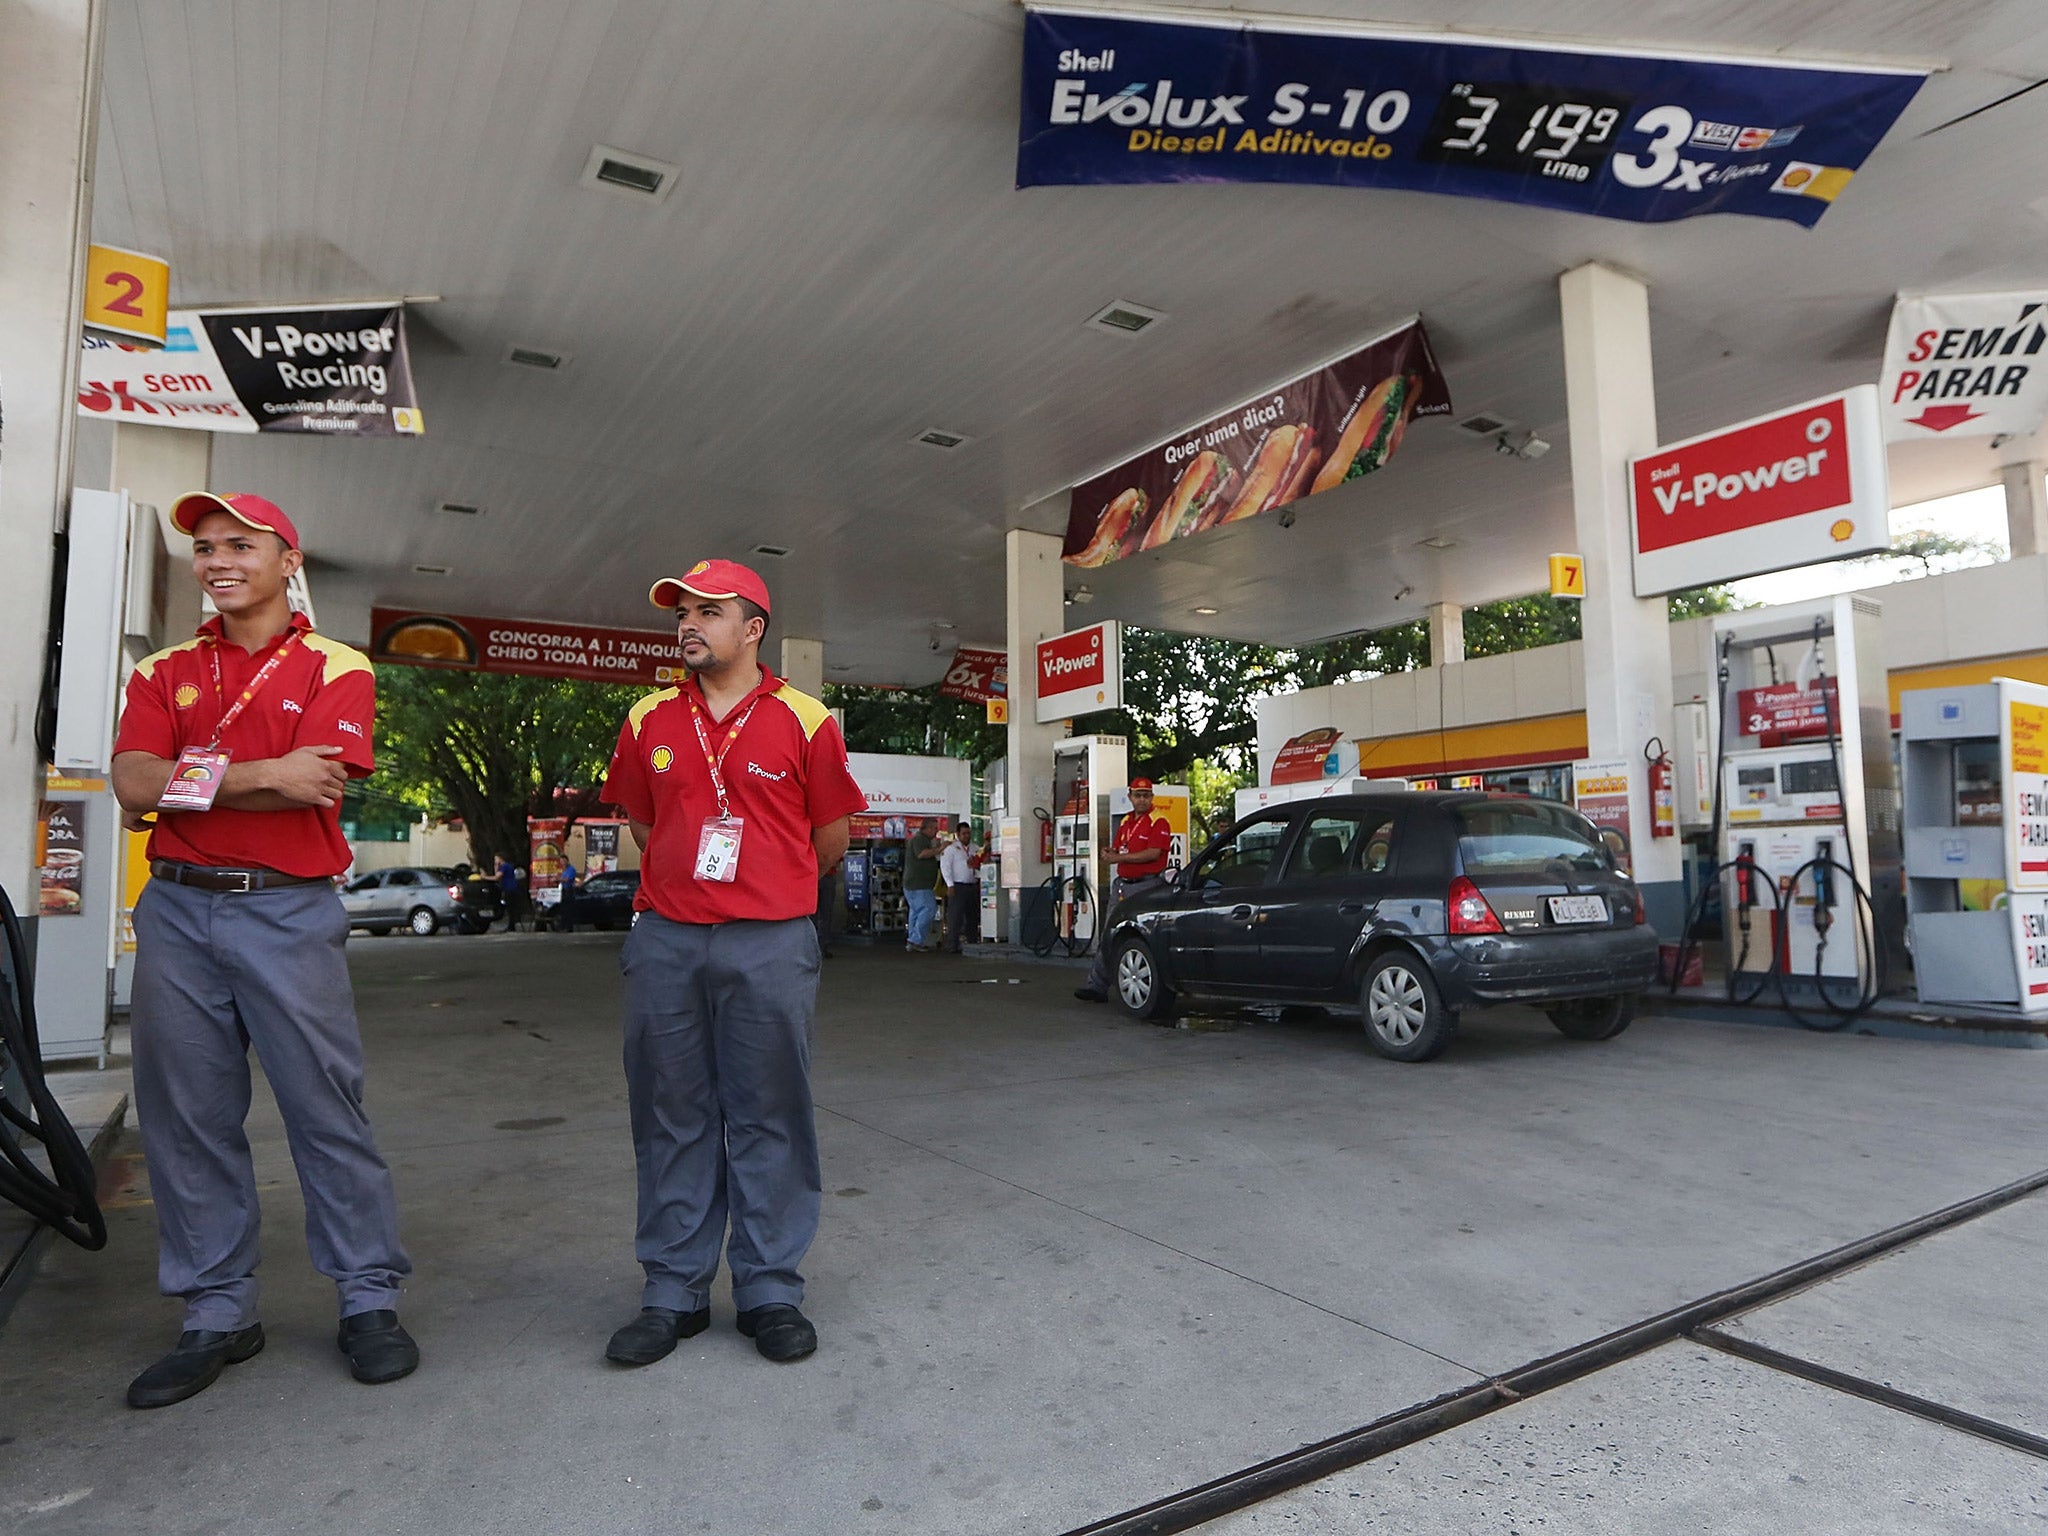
1567,576
127,295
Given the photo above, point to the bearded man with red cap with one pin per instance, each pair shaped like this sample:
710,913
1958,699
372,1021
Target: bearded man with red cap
239,743
738,791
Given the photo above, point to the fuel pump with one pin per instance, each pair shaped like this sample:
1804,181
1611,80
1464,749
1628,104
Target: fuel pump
1086,771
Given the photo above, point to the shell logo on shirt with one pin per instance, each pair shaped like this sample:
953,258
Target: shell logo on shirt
186,696
660,758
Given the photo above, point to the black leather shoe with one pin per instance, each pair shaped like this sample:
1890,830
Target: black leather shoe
1090,995
780,1333
653,1334
377,1348
192,1367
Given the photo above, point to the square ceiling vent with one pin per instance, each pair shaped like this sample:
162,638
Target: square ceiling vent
770,551
939,437
462,509
1124,318
537,358
636,176
1485,424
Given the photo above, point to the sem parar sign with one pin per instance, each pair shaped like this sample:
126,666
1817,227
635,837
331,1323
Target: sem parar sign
1794,488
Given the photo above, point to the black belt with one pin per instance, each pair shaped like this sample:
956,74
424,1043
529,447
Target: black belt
207,878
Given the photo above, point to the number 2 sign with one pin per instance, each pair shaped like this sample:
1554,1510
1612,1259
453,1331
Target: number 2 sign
127,295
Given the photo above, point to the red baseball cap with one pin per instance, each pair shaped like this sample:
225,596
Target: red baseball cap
1141,784
710,578
189,508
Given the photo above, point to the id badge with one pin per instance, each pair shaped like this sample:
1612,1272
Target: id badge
718,848
195,780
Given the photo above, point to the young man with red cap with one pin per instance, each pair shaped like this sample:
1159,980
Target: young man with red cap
738,792
1138,855
239,742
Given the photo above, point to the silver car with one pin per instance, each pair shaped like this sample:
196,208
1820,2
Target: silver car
421,899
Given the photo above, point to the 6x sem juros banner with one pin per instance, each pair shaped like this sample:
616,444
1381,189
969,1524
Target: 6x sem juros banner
342,371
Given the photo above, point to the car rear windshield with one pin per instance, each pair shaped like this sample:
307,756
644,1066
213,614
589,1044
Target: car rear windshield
1514,837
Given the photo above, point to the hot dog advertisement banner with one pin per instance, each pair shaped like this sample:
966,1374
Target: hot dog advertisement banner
528,647
344,371
1621,134
1299,440
1965,365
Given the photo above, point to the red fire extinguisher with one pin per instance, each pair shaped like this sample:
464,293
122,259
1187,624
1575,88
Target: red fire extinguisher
1663,790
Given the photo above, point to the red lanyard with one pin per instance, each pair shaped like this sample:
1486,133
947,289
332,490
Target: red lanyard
263,674
716,761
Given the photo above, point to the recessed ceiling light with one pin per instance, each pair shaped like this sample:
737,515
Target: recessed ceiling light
842,666
628,174
536,357
938,437
1485,424
1436,541
1124,318
1081,594
1207,613
430,570
942,624
461,509
771,551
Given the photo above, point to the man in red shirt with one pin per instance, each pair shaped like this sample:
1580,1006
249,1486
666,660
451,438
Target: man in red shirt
240,742
1137,855
737,790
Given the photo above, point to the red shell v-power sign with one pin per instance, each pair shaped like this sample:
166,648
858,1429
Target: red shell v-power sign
1792,489
1080,671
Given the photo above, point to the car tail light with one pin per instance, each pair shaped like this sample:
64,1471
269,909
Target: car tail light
1470,912
455,891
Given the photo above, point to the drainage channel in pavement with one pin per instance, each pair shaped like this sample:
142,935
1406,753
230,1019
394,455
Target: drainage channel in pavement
1694,1321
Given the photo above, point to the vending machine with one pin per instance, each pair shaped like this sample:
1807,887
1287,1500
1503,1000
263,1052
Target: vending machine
1810,825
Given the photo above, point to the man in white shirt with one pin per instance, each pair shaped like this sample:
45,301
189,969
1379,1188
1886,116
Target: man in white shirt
963,887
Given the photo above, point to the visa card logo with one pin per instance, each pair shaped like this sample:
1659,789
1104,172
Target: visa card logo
179,339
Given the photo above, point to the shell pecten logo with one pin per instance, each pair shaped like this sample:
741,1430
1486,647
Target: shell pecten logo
186,696
1841,530
699,568
661,758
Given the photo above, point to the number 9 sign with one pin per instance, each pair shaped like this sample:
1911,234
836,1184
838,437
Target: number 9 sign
127,295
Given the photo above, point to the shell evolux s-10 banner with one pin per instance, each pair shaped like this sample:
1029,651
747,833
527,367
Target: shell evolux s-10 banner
1625,134
341,371
1308,436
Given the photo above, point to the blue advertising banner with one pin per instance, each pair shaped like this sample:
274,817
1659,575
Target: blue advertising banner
1624,135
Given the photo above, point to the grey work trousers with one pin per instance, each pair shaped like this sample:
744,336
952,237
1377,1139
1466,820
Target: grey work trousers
718,1061
1119,890
962,900
217,972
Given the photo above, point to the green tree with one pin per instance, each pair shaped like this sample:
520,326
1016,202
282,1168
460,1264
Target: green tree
917,721
494,749
1934,552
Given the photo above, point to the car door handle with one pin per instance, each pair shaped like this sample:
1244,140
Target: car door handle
1241,912
1351,908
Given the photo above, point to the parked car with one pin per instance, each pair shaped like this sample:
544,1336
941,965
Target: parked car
602,901
1411,908
422,899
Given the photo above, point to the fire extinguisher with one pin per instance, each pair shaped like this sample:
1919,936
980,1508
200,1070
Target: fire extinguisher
1663,790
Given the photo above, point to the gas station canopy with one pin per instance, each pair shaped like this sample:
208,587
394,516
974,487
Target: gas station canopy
837,261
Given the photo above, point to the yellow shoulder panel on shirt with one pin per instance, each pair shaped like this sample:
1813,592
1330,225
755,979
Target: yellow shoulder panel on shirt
341,659
648,706
148,665
809,712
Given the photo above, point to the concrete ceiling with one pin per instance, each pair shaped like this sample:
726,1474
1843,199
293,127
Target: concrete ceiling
845,262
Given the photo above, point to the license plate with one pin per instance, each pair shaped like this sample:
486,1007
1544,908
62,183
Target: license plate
1578,909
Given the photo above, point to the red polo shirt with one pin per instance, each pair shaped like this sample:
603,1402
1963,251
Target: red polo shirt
785,774
1136,833
324,695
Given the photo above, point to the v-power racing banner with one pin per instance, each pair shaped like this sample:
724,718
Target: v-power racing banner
1624,134
341,371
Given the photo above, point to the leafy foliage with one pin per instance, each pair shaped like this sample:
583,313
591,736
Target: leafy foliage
1934,552
494,749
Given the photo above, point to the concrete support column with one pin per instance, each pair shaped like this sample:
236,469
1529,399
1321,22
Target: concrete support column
1610,392
155,466
1446,634
47,118
803,665
1035,610
2026,507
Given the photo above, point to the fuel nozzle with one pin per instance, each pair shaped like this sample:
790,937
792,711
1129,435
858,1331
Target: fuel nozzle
1745,882
1823,885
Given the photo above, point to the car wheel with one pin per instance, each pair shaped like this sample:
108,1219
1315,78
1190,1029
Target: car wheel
1405,1016
379,931
1594,1018
423,922
1136,983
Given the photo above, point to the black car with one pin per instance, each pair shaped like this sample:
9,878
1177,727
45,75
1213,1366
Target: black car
603,901
1409,907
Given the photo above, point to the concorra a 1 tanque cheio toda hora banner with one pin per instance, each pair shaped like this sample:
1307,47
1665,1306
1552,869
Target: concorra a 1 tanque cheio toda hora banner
1621,134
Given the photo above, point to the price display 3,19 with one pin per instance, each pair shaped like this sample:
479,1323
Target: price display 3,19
1525,130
